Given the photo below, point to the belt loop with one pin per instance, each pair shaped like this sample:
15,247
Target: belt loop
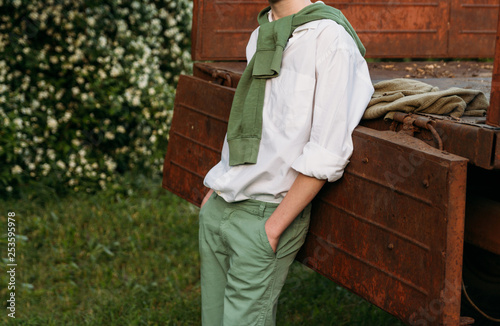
262,209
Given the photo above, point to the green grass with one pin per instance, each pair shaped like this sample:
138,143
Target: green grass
110,259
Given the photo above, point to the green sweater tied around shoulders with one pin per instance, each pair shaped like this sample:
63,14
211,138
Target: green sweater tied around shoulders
245,121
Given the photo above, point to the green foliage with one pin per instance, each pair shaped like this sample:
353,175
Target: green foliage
104,259
86,89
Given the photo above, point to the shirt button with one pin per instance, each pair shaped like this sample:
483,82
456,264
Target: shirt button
218,192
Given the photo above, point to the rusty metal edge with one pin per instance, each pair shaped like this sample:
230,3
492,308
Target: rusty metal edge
496,154
454,243
493,117
196,39
172,190
390,136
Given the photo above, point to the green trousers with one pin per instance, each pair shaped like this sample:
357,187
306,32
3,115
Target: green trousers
241,276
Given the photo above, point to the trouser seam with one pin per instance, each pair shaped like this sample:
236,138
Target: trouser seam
267,302
222,227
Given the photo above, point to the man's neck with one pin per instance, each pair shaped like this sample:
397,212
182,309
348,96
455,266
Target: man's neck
285,8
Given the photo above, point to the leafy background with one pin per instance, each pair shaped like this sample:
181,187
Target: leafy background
87,89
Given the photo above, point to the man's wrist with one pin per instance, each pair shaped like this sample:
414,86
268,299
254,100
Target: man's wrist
272,230
207,196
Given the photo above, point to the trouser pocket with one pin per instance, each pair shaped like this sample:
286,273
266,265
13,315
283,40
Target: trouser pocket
265,240
292,238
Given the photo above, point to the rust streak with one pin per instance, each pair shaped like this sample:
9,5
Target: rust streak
197,142
380,226
417,4
186,169
233,31
408,283
478,32
478,5
399,191
203,113
398,31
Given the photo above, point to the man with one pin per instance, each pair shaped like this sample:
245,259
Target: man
304,91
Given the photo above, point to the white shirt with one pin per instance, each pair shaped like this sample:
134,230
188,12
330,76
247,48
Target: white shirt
309,113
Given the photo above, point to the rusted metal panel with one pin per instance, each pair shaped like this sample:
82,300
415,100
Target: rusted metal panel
482,224
391,230
221,29
482,214
493,117
473,28
405,28
199,124
482,218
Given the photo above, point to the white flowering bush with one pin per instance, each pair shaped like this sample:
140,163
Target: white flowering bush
87,88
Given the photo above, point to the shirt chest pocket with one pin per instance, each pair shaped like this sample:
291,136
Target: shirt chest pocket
291,100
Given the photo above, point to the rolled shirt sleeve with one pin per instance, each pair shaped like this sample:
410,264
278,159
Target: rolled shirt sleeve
310,111
343,90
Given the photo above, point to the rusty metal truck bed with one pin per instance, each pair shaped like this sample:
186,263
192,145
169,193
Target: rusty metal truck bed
393,228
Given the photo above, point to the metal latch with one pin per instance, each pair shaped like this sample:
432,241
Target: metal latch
220,77
412,123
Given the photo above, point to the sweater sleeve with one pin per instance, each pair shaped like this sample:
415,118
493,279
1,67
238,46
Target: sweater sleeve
343,90
252,44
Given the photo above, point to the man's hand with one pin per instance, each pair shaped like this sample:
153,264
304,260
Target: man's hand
206,197
302,191
273,239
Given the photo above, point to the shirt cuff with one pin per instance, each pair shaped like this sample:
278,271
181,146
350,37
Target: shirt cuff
319,163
